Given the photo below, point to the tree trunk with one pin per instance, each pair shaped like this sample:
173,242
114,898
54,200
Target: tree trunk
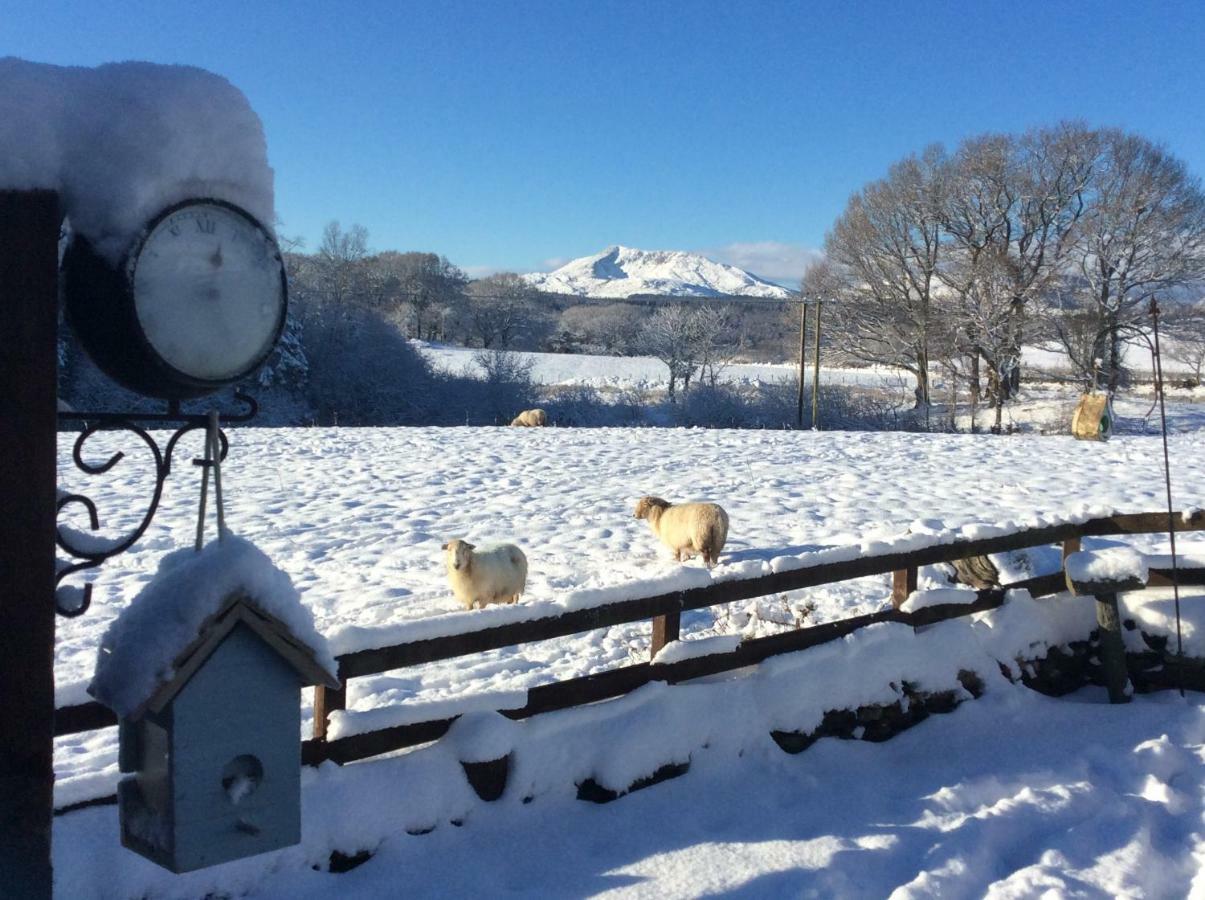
922,378
1114,356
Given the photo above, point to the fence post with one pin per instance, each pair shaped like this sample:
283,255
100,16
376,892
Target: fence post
1112,648
1104,591
29,238
666,628
903,583
326,701
1071,545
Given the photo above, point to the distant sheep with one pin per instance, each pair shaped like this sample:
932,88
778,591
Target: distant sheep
487,575
530,418
687,528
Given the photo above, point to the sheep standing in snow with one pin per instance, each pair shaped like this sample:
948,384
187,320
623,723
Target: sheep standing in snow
480,576
687,528
530,418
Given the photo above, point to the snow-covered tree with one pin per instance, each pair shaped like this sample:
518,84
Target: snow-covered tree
1142,233
882,256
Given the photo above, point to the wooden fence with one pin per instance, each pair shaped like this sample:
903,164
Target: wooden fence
665,610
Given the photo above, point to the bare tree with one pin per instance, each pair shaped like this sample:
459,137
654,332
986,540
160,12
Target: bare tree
499,308
712,327
339,261
432,288
669,335
1185,330
611,328
883,254
1142,233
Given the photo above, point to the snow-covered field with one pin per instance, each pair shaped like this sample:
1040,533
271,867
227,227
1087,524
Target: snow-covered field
1012,796
637,371
357,516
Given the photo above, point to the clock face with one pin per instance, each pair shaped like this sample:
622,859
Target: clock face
208,291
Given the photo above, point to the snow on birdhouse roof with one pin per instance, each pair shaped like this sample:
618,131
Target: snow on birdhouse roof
121,142
188,608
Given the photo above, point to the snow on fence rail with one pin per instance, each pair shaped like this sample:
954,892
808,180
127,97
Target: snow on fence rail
665,610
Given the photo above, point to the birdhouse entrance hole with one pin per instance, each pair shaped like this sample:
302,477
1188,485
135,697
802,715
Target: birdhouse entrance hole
241,777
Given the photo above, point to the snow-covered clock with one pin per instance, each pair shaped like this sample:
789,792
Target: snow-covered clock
196,303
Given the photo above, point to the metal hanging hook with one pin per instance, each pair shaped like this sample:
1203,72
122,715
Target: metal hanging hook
211,461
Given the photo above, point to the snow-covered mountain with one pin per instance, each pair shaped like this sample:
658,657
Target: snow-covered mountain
624,271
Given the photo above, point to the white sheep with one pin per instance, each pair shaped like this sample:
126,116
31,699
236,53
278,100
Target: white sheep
487,575
530,418
687,528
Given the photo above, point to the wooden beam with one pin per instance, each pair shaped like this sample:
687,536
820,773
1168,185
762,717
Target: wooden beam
372,662
83,717
666,628
326,701
29,248
1071,545
903,583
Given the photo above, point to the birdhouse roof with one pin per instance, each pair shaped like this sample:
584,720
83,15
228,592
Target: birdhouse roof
239,610
191,605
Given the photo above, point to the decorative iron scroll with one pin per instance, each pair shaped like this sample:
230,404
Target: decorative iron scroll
90,551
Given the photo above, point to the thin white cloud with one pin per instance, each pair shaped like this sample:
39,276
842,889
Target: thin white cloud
553,263
774,260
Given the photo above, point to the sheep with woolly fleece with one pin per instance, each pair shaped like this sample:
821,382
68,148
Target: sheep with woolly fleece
530,418
687,528
483,575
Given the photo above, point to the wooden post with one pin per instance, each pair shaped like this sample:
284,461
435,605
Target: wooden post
29,237
666,628
326,701
1108,622
903,583
1071,545
1112,648
803,342
816,375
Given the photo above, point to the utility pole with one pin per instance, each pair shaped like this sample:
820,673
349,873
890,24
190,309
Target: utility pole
803,343
816,374
29,237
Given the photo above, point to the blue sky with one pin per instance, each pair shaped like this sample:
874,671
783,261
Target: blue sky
513,135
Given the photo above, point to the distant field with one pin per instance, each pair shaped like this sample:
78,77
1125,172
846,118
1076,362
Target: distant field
630,371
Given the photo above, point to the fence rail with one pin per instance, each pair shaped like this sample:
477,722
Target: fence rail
664,610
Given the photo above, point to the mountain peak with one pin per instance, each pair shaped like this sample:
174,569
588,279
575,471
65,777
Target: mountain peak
620,271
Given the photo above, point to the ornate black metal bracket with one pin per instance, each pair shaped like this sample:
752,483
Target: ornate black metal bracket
91,550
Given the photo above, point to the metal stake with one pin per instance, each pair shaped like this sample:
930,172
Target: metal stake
1167,480
803,341
816,375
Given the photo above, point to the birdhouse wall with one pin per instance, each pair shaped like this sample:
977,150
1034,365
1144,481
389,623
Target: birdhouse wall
236,768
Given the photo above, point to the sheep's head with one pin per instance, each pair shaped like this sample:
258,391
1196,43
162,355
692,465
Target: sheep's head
646,505
459,554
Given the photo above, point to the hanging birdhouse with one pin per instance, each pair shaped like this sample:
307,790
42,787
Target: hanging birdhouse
1093,417
210,732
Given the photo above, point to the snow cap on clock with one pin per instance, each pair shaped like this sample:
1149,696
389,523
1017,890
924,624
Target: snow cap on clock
121,142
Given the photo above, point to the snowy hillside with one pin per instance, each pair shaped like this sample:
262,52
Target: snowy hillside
624,271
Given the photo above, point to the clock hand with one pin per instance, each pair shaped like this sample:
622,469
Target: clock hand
216,259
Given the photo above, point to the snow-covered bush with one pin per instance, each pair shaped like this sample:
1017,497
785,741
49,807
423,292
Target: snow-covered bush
363,371
583,406
498,387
